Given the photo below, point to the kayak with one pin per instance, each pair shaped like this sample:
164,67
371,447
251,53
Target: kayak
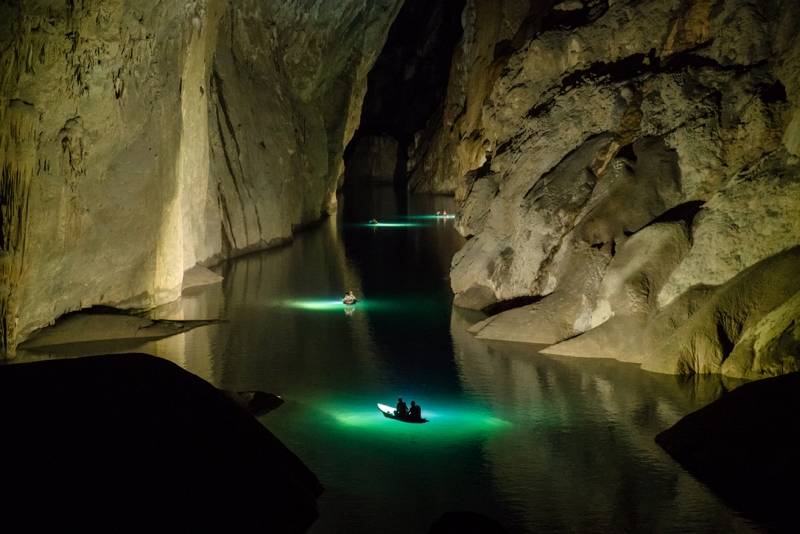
388,411
349,302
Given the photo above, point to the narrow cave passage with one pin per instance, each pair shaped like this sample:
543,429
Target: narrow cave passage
405,88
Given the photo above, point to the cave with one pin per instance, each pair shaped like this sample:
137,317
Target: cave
572,229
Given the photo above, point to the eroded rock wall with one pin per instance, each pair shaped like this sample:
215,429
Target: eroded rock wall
141,138
287,86
624,164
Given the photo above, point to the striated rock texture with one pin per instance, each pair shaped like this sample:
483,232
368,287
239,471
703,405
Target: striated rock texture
139,139
631,170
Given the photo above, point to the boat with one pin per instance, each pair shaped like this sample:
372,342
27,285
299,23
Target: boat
388,411
349,302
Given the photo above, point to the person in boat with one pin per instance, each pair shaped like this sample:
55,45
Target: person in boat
374,221
402,408
349,298
415,412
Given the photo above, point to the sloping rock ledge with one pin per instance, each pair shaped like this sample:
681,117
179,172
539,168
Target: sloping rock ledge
86,326
744,447
133,443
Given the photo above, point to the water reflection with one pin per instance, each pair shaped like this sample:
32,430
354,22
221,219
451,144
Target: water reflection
540,443
581,455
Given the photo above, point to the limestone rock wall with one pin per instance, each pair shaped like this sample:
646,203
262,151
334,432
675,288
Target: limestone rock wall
624,164
287,85
140,138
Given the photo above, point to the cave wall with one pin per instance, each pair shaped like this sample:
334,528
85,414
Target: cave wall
631,168
140,138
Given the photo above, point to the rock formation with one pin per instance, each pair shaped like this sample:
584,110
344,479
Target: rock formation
742,446
139,139
133,443
629,171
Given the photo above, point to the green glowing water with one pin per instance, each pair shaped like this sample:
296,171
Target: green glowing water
391,225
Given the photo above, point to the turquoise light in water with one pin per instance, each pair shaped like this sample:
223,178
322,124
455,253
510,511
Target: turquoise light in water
314,304
380,305
444,422
391,225
429,217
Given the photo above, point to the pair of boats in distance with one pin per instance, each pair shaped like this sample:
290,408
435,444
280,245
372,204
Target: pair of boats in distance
439,215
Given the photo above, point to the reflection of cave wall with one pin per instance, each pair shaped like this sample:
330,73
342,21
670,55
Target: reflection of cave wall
138,139
628,170
554,397
405,88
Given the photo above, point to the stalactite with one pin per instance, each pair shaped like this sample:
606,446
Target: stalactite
18,141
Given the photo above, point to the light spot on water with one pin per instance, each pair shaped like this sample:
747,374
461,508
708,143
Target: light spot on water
430,217
313,304
391,225
443,422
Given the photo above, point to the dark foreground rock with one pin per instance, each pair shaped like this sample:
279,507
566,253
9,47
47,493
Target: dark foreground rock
133,443
255,402
744,447
461,522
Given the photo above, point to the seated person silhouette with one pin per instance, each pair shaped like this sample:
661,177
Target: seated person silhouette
402,408
415,412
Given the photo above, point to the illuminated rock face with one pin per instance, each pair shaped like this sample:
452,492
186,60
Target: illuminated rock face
635,166
138,139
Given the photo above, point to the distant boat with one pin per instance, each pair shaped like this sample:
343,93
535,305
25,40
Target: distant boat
388,411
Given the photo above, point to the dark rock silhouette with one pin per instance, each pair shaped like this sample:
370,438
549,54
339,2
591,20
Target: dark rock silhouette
133,443
461,522
744,447
255,402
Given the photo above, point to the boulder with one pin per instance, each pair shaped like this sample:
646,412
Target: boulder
769,348
255,402
133,443
711,328
743,446
754,216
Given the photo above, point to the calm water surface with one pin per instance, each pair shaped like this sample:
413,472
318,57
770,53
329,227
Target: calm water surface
539,443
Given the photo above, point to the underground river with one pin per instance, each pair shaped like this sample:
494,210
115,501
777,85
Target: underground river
539,443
